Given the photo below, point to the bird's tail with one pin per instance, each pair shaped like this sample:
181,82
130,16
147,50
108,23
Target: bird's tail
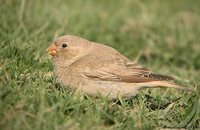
163,84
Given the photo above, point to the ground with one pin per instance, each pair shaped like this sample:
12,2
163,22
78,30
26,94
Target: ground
161,35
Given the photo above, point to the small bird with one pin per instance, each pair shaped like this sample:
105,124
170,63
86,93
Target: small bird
99,69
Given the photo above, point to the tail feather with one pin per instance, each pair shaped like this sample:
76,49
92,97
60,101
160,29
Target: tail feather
163,84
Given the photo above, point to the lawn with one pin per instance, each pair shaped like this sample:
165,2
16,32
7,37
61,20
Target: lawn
161,35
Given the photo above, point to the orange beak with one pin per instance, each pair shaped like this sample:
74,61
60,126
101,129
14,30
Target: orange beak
52,49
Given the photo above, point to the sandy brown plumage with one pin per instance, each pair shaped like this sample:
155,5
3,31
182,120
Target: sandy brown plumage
97,68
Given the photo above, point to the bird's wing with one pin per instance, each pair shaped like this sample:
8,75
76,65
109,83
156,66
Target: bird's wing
116,69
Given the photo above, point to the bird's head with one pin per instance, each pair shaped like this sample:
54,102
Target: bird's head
67,47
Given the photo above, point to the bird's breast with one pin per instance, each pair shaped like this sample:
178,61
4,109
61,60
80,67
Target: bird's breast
68,76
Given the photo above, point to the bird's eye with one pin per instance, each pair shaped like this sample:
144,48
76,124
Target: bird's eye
64,45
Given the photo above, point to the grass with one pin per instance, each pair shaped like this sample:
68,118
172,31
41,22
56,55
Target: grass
161,35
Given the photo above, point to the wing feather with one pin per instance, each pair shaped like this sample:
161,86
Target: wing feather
113,67
115,70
